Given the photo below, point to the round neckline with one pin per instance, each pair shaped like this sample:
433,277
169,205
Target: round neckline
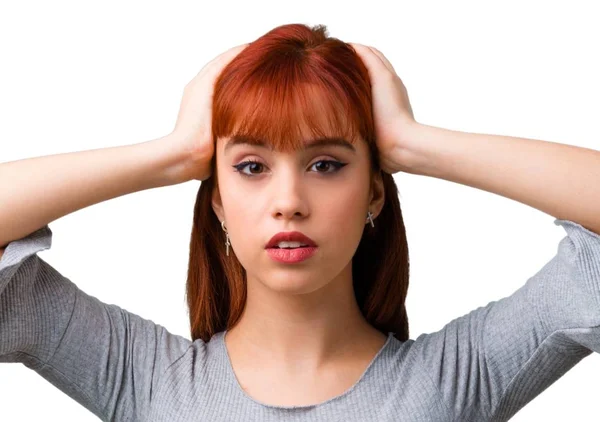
233,379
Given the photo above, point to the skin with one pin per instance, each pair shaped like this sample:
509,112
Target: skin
302,330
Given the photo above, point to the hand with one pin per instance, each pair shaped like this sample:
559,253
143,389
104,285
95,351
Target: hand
392,112
192,135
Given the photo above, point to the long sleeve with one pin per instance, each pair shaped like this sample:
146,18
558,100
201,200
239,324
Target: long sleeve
491,362
107,359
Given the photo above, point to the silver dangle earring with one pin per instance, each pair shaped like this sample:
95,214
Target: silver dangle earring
227,243
370,218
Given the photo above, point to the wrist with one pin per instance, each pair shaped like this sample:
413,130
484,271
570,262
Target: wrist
169,161
435,151
414,149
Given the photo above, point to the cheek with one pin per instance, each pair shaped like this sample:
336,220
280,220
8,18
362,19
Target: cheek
348,200
241,211
342,215
233,194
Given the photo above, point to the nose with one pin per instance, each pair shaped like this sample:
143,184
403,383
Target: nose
289,197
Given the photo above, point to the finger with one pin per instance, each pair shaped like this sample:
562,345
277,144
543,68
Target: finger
218,63
222,59
383,58
231,53
371,60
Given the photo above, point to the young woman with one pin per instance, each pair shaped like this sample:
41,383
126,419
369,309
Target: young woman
298,268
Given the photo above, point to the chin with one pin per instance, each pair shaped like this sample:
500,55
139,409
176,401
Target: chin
291,285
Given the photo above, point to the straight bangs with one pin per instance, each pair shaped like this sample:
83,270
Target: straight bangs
286,102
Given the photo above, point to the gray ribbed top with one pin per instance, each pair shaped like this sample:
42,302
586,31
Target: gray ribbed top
483,366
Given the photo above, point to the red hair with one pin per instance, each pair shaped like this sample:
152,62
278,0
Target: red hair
296,76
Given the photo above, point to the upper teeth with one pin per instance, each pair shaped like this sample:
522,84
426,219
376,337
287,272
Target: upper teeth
290,244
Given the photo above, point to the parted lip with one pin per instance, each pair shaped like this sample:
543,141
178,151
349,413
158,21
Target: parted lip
290,237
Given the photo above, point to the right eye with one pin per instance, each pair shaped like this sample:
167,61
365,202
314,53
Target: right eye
239,167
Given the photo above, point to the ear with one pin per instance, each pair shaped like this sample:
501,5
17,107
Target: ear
217,204
377,196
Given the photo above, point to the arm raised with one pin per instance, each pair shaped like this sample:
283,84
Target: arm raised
558,179
36,191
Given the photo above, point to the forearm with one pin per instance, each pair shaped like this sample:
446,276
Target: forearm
558,179
36,191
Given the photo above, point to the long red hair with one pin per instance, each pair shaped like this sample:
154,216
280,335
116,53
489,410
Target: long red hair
296,76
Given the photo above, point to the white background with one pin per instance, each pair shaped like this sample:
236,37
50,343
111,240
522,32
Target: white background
77,76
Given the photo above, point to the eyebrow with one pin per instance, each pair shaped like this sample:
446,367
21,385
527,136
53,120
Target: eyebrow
314,143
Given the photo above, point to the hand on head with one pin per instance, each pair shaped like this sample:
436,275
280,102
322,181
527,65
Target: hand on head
192,134
392,111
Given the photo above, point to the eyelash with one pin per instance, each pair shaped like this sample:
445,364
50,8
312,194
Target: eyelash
239,167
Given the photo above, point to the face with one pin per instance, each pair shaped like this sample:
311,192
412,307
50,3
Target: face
323,192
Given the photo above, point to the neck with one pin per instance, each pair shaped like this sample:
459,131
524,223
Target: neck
303,332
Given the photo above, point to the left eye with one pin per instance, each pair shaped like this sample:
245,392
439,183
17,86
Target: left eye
336,165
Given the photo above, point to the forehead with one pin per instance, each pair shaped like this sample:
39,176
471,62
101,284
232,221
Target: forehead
308,144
